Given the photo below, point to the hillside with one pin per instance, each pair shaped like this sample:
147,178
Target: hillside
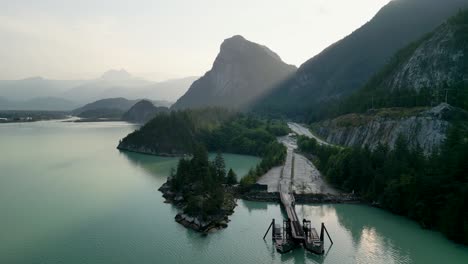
242,71
110,105
38,93
348,64
429,71
175,133
142,112
120,83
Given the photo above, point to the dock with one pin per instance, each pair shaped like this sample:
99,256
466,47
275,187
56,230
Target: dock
294,233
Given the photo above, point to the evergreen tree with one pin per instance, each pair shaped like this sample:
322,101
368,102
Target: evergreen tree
220,167
231,177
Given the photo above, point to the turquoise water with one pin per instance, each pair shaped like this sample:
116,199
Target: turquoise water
68,196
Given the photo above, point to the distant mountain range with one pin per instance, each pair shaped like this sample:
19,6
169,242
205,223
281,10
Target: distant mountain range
242,71
42,94
348,64
38,104
111,107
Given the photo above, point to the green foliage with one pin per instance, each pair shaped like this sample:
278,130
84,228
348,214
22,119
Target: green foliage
245,135
200,181
376,94
220,167
432,190
218,129
231,177
274,155
177,132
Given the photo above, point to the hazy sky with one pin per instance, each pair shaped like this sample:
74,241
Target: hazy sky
65,39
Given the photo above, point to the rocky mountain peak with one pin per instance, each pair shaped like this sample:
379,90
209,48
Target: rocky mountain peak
242,71
113,75
237,45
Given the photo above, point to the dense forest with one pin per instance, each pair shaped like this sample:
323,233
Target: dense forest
175,133
252,136
201,182
432,190
180,132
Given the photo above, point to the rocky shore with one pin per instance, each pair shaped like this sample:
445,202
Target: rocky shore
259,196
204,224
148,151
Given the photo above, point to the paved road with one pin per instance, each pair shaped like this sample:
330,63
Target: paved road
303,131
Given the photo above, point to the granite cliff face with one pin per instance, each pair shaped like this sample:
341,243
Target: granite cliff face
242,71
424,127
438,62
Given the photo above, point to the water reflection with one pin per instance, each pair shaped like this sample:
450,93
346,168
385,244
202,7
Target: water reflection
154,165
161,166
253,206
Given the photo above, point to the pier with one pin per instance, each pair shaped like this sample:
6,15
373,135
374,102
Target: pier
294,233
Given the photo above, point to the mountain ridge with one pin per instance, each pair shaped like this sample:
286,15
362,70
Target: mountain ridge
241,71
346,65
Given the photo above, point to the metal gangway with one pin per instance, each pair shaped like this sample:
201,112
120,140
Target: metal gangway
294,234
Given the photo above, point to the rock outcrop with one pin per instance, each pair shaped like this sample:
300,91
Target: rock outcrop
437,62
242,71
424,127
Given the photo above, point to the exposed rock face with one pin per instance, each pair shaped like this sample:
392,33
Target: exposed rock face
242,71
426,128
348,64
438,62
142,112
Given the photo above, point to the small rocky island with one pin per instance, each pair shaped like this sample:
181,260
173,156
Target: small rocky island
202,190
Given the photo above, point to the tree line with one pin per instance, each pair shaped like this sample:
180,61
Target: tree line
431,189
200,181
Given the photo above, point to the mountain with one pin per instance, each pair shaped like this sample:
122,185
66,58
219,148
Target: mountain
26,89
116,75
396,101
242,71
429,71
122,84
112,84
142,112
176,133
169,90
348,64
38,104
116,104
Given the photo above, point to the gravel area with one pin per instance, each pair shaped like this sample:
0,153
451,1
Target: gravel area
306,179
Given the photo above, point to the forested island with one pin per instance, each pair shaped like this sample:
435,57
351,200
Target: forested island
203,189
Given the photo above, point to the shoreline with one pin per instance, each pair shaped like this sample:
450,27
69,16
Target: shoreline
312,198
205,225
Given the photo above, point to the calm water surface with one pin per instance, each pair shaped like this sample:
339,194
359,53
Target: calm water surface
68,196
